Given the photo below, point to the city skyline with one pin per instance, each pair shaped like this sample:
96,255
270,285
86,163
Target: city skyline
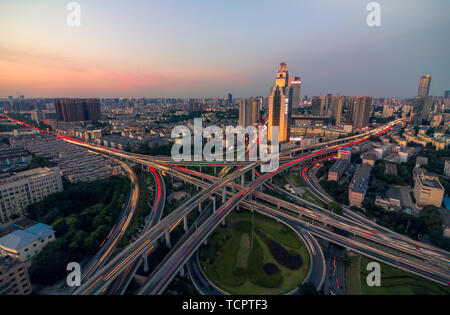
198,49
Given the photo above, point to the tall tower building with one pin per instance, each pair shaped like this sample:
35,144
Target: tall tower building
280,105
296,84
350,109
336,109
327,104
254,109
316,106
248,112
361,111
230,99
422,102
424,86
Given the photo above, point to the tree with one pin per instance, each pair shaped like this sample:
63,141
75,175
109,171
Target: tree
335,207
432,218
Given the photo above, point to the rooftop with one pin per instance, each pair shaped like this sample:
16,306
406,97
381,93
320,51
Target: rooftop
20,238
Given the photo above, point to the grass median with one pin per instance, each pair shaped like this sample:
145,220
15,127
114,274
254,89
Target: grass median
238,265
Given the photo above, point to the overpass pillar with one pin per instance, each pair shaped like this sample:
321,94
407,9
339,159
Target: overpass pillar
168,239
224,194
185,223
253,175
200,168
215,171
243,180
145,259
182,274
200,207
214,204
205,242
224,223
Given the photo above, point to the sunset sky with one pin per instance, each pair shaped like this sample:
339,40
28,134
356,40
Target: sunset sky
207,48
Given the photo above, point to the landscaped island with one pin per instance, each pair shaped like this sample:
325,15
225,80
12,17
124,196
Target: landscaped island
278,263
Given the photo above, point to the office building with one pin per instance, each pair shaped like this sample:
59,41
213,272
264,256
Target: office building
421,109
230,99
424,86
77,110
428,190
295,84
280,104
24,188
14,278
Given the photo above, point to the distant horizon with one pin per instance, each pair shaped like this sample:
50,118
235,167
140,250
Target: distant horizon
203,97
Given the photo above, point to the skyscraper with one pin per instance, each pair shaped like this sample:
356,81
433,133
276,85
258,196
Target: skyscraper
316,106
248,112
255,105
336,109
422,102
327,104
75,110
280,105
230,99
424,86
350,109
361,111
296,84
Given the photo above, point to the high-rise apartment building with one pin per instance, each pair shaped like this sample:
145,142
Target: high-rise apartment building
316,106
280,104
248,112
328,100
24,188
337,105
350,102
38,116
75,110
361,111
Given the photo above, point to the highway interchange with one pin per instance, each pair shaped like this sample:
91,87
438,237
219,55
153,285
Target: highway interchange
111,274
